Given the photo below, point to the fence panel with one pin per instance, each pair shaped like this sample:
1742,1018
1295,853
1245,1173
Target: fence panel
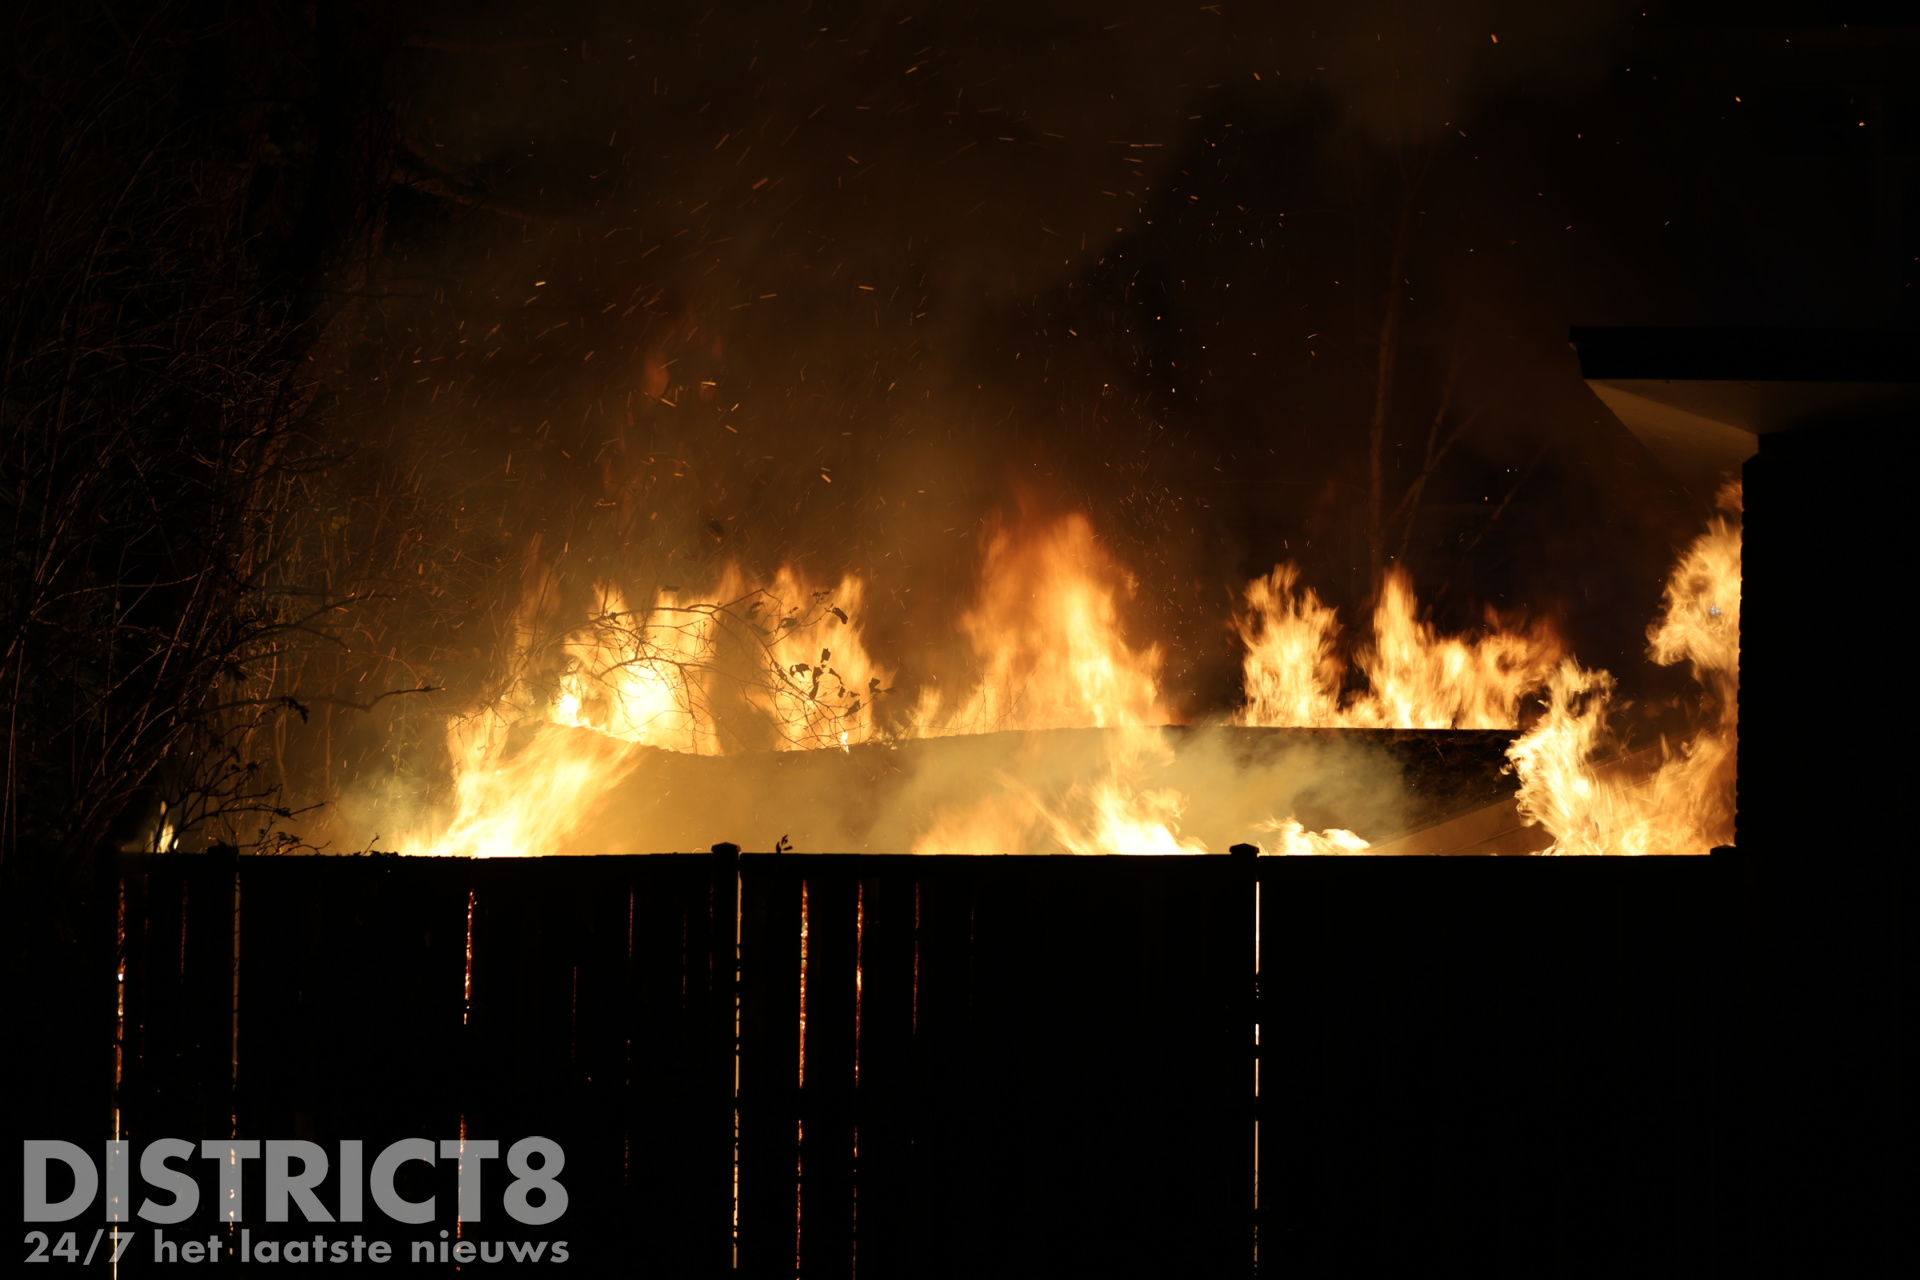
1491,1060
177,924
889,942
1020,1067
1043,1065
769,1174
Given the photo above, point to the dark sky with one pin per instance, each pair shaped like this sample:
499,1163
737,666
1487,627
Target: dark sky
847,282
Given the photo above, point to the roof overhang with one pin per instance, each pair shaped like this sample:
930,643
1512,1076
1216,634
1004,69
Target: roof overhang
1700,399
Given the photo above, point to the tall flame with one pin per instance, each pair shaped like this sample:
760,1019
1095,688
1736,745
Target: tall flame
1573,780
1046,639
1416,678
1047,642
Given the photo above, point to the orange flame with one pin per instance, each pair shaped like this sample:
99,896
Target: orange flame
1046,638
1294,840
763,670
694,678
1114,810
664,678
1573,780
1417,679
1047,641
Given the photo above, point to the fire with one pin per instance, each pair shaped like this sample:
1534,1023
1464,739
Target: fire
1112,809
508,801
1291,674
762,670
636,678
1416,678
1292,839
782,665
1046,639
668,676
1573,779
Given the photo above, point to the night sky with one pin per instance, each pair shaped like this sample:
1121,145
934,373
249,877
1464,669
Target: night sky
845,281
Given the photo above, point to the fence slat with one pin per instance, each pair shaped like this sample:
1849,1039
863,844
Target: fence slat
769,1070
941,1227
676,1148
883,1243
179,1013
827,1088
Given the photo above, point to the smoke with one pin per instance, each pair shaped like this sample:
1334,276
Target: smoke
821,279
1025,792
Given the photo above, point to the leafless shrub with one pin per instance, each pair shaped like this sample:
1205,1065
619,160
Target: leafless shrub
168,272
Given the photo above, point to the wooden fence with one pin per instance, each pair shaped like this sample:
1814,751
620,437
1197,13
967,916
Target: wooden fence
969,1067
